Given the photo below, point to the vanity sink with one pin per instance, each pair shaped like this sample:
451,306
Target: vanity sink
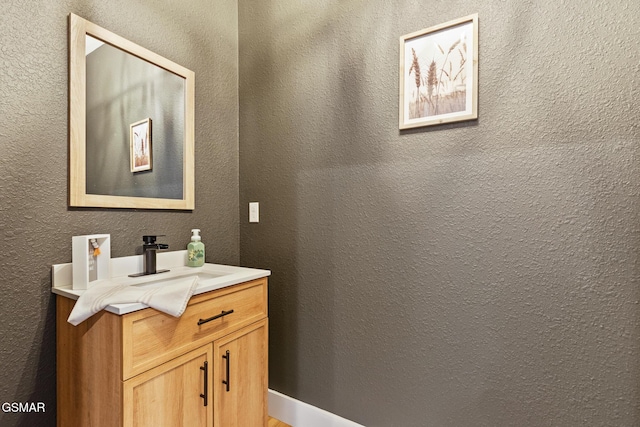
164,279
206,276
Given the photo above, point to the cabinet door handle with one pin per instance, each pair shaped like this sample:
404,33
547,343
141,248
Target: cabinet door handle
227,356
217,316
205,395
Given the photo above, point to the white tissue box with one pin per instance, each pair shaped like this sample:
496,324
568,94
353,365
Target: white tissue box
88,266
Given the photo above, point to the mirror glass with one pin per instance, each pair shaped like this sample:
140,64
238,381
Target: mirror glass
123,89
131,136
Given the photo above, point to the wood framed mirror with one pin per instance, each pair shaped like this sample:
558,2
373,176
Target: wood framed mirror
131,124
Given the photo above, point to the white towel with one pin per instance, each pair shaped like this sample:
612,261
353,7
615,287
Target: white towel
171,299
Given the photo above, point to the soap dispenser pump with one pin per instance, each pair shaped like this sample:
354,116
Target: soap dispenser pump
195,250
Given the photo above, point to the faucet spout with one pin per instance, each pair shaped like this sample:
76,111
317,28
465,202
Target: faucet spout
149,249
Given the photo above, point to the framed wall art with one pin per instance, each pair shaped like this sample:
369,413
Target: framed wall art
140,143
439,74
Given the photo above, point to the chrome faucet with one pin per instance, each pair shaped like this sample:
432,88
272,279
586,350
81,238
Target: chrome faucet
149,249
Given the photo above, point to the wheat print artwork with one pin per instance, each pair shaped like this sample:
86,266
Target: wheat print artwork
140,143
438,67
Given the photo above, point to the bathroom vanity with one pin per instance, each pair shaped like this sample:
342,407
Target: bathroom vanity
132,366
129,364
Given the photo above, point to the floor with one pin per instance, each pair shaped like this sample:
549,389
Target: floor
275,423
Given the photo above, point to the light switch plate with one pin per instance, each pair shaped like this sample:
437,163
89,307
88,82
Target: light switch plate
254,212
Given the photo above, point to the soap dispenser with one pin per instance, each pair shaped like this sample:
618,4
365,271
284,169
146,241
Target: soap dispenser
195,250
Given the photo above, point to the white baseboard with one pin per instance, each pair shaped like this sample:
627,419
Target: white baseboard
300,414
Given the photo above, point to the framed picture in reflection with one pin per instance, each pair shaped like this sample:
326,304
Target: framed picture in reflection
140,145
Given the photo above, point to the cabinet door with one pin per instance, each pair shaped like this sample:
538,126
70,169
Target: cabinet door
177,393
241,377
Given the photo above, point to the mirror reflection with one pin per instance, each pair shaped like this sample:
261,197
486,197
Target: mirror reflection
123,90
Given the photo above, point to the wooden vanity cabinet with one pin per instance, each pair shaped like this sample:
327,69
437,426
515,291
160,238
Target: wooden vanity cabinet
207,368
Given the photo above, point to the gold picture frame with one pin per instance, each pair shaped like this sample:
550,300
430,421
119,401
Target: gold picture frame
439,74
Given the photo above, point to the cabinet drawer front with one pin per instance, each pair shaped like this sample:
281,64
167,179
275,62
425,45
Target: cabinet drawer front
152,337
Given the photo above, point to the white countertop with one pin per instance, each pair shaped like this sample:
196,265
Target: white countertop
210,276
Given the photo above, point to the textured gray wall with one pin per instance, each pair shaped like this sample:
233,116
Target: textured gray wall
478,274
35,224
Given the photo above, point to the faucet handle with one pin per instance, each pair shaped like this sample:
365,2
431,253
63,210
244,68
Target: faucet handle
151,239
